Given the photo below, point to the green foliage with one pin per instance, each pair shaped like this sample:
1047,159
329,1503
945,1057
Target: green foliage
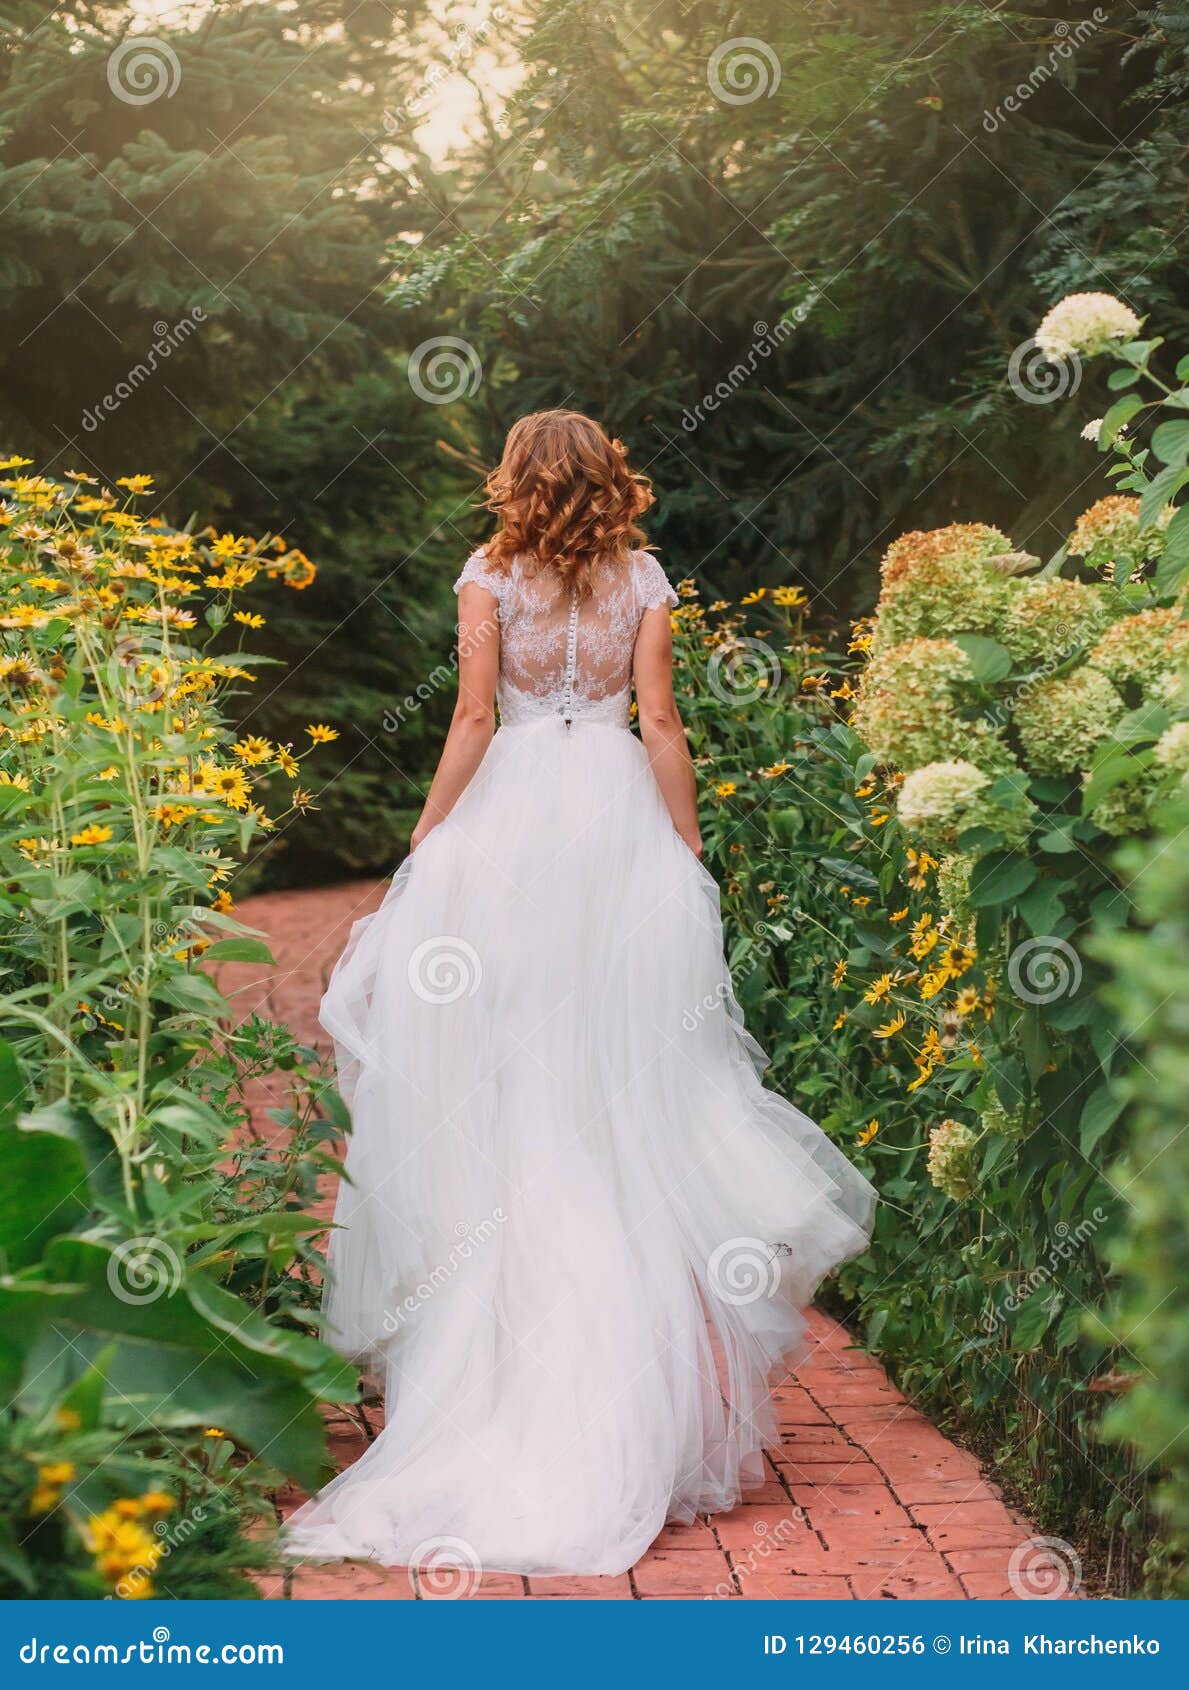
1149,993
799,308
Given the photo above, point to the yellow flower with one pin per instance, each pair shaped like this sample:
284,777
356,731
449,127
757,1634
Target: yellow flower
923,1078
321,734
110,773
967,1000
253,749
788,596
57,1473
19,781
865,791
838,1021
877,818
892,1027
214,1432
868,1132
725,789
68,1419
230,785
755,596
286,761
878,989
248,618
775,771
839,974
42,1498
861,903
93,835
932,983
223,903
156,1502
898,915
136,483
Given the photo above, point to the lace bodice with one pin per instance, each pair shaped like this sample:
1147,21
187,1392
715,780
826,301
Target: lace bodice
561,656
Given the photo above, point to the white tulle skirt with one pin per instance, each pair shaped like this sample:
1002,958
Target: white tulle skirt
577,1233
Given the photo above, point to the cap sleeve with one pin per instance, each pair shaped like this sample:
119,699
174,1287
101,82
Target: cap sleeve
478,571
652,586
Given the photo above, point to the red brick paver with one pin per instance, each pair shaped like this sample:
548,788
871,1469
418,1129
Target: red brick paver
863,1498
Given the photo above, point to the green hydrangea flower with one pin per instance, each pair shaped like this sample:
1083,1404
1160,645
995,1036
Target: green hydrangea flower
950,1163
998,1118
943,799
1046,619
1172,748
1060,722
906,710
1144,651
938,582
1125,808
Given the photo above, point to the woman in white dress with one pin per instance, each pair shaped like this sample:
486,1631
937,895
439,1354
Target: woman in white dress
578,1233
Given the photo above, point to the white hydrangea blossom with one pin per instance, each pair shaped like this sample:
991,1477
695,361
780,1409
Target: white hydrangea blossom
1085,323
1172,748
939,794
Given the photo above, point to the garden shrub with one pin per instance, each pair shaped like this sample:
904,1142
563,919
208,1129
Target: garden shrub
918,899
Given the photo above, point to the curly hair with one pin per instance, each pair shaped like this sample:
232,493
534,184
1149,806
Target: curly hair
565,497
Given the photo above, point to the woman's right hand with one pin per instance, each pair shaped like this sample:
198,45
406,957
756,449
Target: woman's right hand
694,841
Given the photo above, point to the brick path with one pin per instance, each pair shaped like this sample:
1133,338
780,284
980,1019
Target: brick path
863,1498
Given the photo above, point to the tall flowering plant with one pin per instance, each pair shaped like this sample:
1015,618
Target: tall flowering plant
143,1308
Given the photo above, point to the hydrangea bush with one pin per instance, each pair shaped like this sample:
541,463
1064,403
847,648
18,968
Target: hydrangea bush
916,833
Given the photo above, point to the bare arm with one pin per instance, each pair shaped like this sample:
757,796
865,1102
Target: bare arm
661,726
473,722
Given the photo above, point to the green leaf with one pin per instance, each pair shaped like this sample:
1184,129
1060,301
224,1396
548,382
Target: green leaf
1174,559
43,1192
1034,1318
1101,1111
1112,766
989,660
1121,412
1160,492
1000,877
239,948
1170,441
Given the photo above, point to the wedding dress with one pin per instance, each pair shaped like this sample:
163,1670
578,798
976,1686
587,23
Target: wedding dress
577,1232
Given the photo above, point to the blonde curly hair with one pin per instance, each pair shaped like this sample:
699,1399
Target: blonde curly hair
565,498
